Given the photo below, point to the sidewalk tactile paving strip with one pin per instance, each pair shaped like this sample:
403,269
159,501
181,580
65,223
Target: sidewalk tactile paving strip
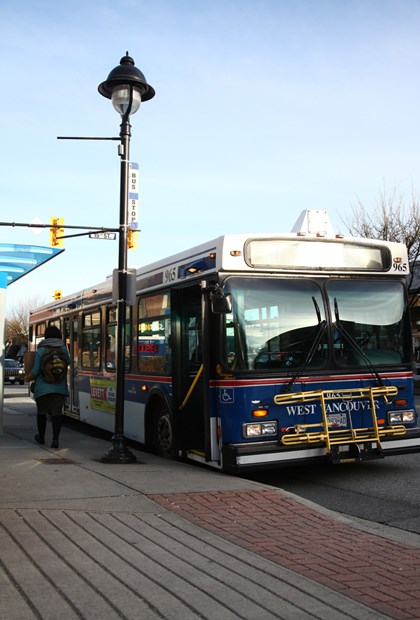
380,573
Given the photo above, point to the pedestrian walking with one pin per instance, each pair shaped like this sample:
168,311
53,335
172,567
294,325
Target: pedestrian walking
50,390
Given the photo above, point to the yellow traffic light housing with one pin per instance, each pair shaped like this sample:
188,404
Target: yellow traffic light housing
132,239
56,231
58,294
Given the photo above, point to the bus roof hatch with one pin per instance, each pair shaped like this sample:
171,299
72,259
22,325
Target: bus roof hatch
314,222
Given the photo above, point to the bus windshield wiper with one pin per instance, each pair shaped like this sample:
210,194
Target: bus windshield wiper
317,310
319,333
354,343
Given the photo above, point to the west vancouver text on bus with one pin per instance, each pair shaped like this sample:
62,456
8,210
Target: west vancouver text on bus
253,350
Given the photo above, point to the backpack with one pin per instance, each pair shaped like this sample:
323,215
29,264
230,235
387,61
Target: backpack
53,365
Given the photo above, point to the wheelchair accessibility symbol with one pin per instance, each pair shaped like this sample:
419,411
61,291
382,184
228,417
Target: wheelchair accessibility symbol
226,396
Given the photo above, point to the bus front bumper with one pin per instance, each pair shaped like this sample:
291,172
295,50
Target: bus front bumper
264,455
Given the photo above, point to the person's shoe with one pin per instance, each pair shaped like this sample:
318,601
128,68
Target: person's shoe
54,443
39,439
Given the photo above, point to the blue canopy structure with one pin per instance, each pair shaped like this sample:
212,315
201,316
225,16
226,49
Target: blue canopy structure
16,260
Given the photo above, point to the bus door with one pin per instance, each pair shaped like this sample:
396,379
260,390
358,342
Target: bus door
72,341
188,381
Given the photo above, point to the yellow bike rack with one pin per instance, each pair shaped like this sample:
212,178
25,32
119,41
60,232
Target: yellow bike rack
357,443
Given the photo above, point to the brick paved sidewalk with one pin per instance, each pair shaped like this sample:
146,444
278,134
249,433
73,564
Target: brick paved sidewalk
382,574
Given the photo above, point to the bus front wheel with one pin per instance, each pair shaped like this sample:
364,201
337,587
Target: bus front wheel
163,432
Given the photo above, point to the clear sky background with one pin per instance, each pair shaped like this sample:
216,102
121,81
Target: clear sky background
263,108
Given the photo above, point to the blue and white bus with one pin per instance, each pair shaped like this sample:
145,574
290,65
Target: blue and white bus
253,350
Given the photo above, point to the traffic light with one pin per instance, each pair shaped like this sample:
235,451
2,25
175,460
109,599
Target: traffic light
57,232
58,294
132,239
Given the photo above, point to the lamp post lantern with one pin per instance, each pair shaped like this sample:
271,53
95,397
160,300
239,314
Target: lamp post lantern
126,86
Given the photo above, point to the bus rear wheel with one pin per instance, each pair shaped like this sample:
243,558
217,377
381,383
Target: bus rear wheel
163,432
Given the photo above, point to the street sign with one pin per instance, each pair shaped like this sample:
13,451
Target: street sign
37,225
133,197
111,236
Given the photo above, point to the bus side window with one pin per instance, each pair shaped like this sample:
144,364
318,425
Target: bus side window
154,341
91,340
111,341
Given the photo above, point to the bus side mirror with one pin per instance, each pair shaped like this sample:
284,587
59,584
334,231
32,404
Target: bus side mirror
220,303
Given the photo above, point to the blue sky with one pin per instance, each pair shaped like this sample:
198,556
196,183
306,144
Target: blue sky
263,108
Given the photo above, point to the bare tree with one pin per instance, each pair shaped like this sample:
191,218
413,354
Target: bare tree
17,325
393,217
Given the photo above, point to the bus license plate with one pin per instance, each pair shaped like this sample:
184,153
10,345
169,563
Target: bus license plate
337,420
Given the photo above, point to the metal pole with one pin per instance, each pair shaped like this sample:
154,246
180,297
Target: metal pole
119,453
3,285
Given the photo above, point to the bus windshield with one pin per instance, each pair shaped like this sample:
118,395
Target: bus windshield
274,323
368,322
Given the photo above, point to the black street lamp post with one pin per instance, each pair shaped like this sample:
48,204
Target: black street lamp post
126,86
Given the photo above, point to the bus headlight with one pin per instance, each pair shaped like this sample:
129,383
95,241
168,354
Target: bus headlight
260,429
401,417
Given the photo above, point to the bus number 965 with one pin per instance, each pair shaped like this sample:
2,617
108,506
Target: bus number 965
398,266
170,275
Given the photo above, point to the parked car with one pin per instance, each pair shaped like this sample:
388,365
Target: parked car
13,371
